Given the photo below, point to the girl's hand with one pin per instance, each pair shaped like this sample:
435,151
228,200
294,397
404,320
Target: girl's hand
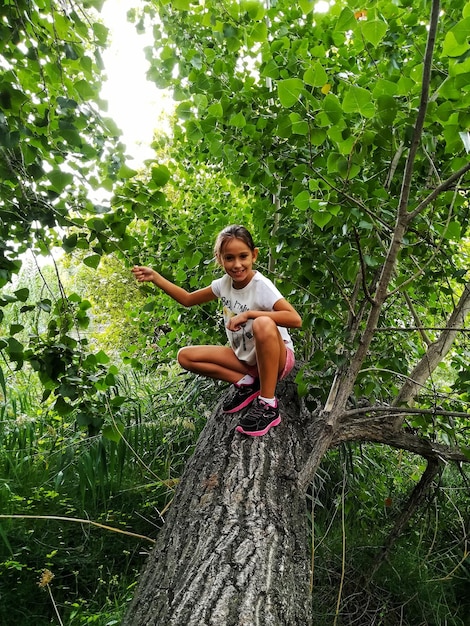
143,274
237,322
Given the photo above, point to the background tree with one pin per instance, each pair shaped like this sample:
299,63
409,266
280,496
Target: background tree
57,150
351,122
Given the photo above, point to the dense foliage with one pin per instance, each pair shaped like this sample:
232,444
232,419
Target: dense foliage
316,116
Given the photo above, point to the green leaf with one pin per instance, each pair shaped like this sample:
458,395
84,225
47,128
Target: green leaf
62,407
126,172
22,294
259,32
332,108
457,39
346,21
59,180
461,31
238,120
2,384
160,175
452,230
373,31
15,348
306,6
84,89
216,109
184,110
302,200
321,218
114,431
254,8
181,5
92,261
315,75
387,109
358,100
289,91
299,125
102,358
69,243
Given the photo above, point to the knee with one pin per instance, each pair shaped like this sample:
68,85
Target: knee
184,357
264,328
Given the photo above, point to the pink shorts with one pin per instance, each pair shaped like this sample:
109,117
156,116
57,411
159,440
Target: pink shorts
289,365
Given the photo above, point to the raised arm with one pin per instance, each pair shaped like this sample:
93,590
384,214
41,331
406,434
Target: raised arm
184,297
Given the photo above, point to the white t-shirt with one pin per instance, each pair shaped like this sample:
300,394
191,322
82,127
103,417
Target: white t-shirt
259,295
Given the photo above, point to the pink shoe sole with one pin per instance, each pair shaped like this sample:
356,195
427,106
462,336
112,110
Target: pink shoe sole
259,433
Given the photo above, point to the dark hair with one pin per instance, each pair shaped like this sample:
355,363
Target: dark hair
232,232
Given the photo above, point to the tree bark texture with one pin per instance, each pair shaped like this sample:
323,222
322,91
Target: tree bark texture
233,550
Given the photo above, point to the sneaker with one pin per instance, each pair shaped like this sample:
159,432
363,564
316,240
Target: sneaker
259,419
242,397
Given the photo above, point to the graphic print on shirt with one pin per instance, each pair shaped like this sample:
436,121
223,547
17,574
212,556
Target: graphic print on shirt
239,337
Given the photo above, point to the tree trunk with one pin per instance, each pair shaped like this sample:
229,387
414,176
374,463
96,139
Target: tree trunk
233,550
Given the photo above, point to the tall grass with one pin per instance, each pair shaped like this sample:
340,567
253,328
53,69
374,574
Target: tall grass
49,468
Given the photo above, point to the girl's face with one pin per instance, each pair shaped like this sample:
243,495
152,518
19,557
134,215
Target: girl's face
237,260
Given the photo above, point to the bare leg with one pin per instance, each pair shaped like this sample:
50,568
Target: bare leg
217,362
270,354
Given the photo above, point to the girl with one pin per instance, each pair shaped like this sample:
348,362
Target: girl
256,318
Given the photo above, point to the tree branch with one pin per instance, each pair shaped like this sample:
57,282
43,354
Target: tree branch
416,499
438,190
344,381
378,430
415,316
423,105
363,268
435,352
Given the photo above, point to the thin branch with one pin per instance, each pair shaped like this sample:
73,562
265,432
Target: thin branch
415,316
394,164
414,329
363,268
435,253
438,190
423,105
436,351
343,551
61,518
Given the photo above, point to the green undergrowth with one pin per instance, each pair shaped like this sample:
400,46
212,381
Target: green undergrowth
63,561
51,469
358,495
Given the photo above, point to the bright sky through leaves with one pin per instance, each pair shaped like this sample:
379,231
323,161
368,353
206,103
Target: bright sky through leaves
134,103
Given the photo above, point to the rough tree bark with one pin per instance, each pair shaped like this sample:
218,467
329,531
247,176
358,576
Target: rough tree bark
234,549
